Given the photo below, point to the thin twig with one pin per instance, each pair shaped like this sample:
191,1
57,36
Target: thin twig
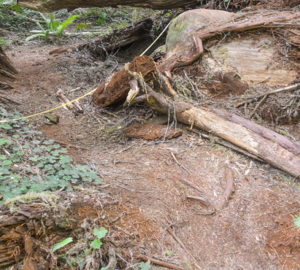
159,262
258,105
180,165
183,247
288,88
191,185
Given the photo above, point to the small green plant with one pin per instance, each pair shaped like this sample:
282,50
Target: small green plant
52,26
168,253
145,266
297,221
99,234
29,163
102,18
62,243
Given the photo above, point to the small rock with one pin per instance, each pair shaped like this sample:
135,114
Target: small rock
53,118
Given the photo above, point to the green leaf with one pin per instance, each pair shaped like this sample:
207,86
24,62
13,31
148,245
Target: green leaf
6,126
297,221
40,35
168,253
96,244
4,141
102,18
61,28
145,265
81,26
62,243
100,233
6,162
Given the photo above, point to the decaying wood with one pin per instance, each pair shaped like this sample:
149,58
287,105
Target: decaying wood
75,106
257,140
191,48
159,262
268,150
266,133
52,5
116,90
119,38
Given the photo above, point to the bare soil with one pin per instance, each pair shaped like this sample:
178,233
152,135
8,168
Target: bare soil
254,230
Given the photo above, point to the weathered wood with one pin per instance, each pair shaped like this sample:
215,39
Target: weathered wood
262,131
190,48
119,38
52,5
268,150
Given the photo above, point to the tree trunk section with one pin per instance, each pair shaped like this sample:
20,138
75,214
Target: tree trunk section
52,5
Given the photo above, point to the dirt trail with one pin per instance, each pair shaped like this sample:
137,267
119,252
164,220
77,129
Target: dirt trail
148,175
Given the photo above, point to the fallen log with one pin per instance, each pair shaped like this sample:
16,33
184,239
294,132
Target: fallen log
53,5
268,150
119,38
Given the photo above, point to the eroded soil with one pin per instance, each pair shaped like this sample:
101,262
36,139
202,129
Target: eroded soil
254,230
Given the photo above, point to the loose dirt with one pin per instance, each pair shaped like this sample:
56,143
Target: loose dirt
254,231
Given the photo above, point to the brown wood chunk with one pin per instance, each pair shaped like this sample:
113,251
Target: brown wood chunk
116,90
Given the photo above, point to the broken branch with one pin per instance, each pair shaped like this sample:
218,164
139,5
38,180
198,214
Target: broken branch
159,262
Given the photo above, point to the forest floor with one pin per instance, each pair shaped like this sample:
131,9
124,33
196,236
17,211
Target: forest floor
255,230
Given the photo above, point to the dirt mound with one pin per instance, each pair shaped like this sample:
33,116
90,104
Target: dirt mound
284,241
30,226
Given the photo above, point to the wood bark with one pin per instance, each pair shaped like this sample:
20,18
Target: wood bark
52,5
7,71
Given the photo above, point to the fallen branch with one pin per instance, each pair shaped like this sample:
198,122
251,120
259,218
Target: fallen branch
184,248
159,262
119,38
75,106
288,88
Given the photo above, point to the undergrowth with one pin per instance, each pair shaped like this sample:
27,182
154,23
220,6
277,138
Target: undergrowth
31,163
